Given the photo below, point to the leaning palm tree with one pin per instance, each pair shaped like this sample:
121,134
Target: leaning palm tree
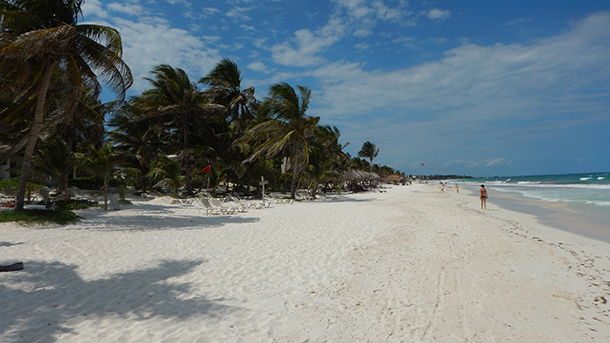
45,39
286,132
224,86
370,151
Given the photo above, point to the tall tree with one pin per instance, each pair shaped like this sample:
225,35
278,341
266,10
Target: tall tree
46,38
179,105
288,130
225,88
57,161
370,151
102,163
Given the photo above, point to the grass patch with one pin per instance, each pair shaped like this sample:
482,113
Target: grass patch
59,216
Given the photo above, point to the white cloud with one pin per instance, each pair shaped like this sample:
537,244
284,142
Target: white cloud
500,161
362,32
239,12
438,14
210,10
131,9
487,81
181,2
258,66
94,8
362,46
305,46
474,96
150,41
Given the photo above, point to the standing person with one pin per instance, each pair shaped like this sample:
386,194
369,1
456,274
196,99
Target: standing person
442,187
483,192
457,188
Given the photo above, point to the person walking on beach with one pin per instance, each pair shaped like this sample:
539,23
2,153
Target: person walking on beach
483,192
457,188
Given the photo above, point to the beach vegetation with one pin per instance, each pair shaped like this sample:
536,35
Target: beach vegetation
370,151
44,50
177,136
39,216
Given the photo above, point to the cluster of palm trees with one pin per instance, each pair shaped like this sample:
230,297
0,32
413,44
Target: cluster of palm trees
52,70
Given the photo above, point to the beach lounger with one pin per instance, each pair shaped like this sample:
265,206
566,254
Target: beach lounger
209,209
229,208
279,200
246,204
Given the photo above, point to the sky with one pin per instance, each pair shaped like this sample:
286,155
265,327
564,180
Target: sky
480,88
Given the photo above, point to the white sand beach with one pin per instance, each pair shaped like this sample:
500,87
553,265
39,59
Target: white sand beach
410,265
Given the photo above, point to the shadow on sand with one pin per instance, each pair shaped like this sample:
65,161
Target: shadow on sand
57,294
9,244
141,222
152,217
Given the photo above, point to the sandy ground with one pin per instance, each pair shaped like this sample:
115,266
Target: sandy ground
410,265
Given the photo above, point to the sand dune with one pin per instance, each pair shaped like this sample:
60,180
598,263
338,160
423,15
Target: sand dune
408,265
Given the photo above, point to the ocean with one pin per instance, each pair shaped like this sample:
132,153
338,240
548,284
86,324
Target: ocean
578,203
590,189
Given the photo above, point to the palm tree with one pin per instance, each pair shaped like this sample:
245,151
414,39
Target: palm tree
176,101
45,38
179,105
224,86
102,163
370,151
56,160
326,157
288,130
137,141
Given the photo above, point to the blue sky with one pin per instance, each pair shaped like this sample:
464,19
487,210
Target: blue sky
471,87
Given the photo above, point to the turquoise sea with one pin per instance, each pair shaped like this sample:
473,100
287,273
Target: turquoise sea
591,189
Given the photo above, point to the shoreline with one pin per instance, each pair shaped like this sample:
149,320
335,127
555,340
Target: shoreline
410,264
586,220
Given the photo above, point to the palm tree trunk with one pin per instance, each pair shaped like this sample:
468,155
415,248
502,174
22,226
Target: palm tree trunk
66,188
26,165
105,193
293,183
371,167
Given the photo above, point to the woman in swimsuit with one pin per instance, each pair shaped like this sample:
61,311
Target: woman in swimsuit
483,192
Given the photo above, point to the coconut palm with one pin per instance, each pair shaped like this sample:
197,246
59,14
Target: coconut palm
224,86
45,38
56,160
325,157
176,104
176,101
103,163
286,132
370,151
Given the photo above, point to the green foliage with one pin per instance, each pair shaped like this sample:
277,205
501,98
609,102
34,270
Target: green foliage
9,187
58,216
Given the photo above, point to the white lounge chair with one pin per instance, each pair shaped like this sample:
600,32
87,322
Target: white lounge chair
279,200
229,208
247,204
209,209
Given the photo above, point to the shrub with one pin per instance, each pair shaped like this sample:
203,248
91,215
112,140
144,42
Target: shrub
59,216
9,187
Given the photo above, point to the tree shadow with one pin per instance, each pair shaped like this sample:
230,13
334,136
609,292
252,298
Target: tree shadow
57,294
338,200
145,222
9,244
